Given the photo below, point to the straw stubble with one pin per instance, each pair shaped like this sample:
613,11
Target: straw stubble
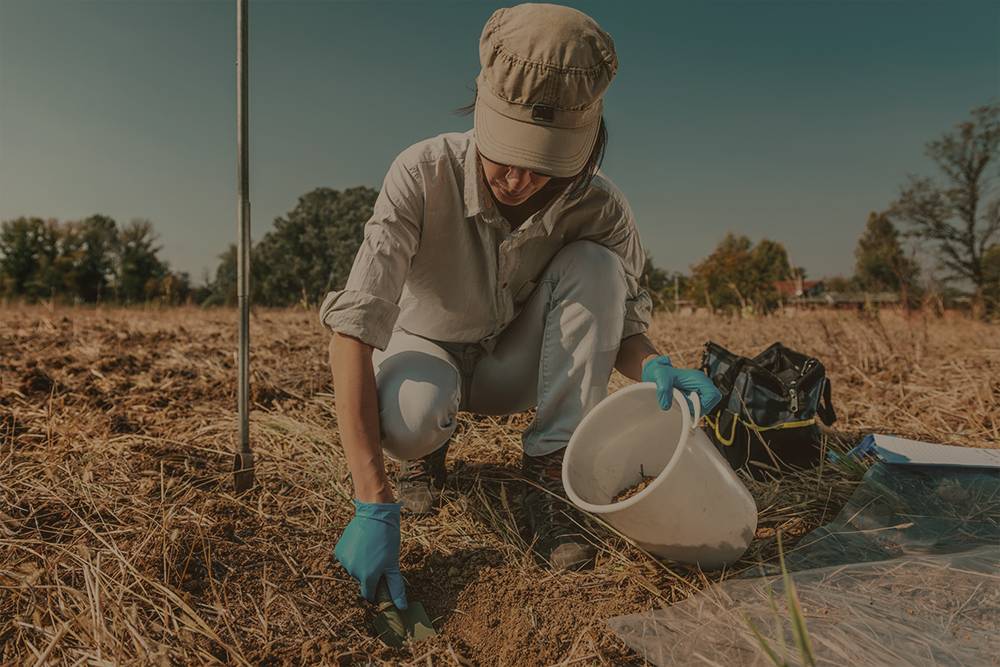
121,541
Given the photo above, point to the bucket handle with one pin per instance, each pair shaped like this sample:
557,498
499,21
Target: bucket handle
696,402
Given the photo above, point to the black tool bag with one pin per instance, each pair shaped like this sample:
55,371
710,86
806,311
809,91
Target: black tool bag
766,421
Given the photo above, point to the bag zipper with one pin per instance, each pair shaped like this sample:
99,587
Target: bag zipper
794,398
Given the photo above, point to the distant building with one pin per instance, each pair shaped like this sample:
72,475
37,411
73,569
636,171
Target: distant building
859,299
812,293
799,288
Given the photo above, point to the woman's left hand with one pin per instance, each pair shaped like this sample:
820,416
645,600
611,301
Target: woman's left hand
666,377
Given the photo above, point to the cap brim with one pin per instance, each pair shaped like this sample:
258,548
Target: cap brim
555,151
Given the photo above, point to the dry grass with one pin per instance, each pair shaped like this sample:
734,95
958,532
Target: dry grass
121,543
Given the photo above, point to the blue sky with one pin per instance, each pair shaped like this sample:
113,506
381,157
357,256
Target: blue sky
787,120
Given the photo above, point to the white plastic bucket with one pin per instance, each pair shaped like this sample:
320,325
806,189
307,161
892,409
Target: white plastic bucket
696,510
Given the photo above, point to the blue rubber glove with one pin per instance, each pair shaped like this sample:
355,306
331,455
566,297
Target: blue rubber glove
369,549
666,377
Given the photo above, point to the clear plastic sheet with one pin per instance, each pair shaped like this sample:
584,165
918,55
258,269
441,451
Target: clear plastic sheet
907,510
907,574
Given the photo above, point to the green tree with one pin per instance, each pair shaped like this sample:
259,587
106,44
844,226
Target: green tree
658,283
840,284
721,280
309,252
48,281
769,260
94,269
881,265
20,253
138,269
175,288
223,286
29,258
66,265
738,275
222,289
85,261
653,278
991,277
956,213
662,286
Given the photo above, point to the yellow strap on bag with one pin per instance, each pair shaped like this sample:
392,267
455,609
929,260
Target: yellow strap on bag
714,423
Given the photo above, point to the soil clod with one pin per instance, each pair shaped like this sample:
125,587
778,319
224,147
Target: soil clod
640,486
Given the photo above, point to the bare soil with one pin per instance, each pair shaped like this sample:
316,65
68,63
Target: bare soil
121,540
630,491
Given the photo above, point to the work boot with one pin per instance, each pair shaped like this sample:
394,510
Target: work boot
558,539
419,482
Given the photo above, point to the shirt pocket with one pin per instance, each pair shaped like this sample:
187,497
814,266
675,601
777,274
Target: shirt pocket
525,291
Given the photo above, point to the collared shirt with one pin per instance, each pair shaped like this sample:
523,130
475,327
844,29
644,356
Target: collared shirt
440,261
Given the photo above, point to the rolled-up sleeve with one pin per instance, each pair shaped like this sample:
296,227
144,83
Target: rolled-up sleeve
623,239
367,307
638,312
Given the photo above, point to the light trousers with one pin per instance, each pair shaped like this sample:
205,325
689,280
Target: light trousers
556,355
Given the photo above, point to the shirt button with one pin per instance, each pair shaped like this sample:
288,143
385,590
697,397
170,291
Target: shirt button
504,285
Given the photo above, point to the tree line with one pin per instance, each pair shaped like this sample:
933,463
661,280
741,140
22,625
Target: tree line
97,260
741,277
953,217
87,261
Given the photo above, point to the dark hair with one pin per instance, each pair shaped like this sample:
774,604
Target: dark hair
578,184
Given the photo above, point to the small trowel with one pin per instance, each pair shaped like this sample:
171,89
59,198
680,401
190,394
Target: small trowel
396,626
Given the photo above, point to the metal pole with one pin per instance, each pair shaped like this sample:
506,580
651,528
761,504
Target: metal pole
243,475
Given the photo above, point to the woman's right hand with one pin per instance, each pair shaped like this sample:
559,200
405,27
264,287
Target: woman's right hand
369,550
369,546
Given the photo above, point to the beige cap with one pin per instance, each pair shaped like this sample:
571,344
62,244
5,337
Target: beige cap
544,71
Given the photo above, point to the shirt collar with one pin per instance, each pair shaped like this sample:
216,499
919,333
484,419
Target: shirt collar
474,197
477,200
548,212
